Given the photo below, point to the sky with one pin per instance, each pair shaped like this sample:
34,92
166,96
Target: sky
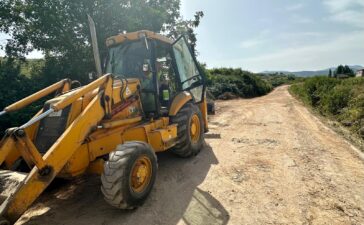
293,35
260,35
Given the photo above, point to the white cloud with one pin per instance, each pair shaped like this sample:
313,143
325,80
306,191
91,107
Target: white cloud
341,5
259,40
294,7
301,19
344,49
300,35
346,11
251,43
351,17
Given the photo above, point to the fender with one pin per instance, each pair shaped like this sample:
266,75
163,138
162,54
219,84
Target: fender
178,102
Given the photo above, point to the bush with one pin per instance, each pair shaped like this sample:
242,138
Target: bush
335,100
341,100
278,79
236,82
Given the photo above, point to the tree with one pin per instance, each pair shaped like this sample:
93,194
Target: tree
348,71
14,87
330,73
344,70
340,69
60,28
187,27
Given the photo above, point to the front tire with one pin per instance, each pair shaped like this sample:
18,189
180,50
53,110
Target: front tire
190,131
129,175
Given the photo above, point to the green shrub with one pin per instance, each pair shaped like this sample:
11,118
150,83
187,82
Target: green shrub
317,87
341,100
278,79
336,99
237,82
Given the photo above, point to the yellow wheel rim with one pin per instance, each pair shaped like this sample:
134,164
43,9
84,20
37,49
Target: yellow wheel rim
141,174
195,128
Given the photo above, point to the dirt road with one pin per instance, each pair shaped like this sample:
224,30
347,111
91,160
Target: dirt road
267,161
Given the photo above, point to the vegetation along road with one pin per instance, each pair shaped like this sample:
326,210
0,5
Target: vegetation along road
267,160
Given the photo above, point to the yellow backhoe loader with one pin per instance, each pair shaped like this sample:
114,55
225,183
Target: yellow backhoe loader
151,98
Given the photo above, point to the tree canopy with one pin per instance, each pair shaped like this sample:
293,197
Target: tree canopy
344,70
60,28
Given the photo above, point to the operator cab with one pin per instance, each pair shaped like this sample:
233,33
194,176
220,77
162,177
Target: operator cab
164,68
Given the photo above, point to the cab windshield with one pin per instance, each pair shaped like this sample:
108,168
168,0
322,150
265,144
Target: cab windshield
126,60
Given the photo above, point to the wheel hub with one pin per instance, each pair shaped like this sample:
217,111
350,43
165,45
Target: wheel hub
141,174
195,128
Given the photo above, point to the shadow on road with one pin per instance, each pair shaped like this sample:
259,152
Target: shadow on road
176,197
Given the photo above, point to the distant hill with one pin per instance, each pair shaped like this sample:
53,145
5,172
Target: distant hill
313,73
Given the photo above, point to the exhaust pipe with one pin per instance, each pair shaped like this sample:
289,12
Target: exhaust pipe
95,46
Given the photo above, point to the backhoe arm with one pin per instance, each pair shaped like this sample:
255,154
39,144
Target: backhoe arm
48,166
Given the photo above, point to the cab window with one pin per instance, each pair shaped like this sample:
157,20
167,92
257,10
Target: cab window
190,77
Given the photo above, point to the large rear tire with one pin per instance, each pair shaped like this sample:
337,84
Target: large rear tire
129,175
190,130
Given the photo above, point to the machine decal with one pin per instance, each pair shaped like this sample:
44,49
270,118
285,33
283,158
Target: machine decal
127,91
56,114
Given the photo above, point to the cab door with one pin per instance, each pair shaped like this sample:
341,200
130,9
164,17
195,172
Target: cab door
191,77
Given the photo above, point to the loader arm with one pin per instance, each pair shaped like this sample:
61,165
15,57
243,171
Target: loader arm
49,165
61,86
